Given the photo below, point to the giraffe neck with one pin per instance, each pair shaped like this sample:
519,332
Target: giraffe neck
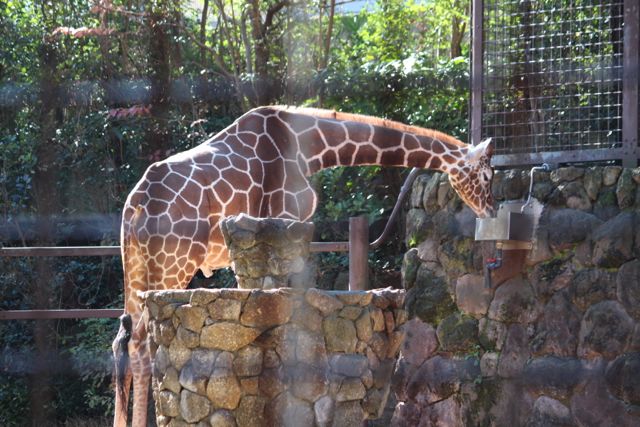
326,138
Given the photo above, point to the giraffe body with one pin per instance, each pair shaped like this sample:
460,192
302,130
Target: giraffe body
259,165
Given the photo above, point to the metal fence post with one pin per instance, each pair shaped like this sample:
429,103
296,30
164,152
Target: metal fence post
358,253
630,84
477,58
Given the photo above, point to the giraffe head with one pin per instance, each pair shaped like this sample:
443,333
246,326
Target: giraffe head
472,181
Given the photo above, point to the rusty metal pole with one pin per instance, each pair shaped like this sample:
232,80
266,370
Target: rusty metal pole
358,253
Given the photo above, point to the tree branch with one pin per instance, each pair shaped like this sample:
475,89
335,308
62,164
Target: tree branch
271,12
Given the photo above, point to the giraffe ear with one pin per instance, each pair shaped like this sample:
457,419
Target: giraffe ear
476,152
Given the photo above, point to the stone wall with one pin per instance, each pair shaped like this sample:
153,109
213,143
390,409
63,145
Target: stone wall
283,357
268,253
555,343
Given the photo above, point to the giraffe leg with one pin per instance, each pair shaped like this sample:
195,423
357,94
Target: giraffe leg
141,372
162,260
122,373
122,401
141,381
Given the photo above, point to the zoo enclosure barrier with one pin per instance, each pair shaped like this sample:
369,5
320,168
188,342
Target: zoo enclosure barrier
356,236
358,247
556,81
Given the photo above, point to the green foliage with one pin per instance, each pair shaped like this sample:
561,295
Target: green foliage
14,400
343,196
90,353
411,90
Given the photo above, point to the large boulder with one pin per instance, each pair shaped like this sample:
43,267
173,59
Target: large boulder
568,226
267,309
554,376
472,297
613,241
623,378
417,190
340,333
548,412
626,189
491,334
420,342
410,265
610,175
628,287
429,299
515,353
606,206
557,331
418,225
605,330
550,276
575,196
593,182
591,286
193,407
592,405
458,333
227,336
514,301
566,174
439,377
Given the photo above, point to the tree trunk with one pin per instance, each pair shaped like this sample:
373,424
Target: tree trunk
264,85
158,134
458,28
47,204
203,32
260,52
326,49
328,35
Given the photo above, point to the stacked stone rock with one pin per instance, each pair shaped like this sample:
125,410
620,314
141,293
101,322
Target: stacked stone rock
268,253
558,344
283,357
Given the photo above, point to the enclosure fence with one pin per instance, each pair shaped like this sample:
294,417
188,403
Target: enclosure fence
357,246
556,80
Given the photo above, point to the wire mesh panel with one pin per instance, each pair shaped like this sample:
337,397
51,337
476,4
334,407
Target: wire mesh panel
553,75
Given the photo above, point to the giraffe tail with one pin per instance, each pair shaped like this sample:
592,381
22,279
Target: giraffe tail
121,356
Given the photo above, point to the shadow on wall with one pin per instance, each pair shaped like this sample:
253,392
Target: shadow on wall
558,343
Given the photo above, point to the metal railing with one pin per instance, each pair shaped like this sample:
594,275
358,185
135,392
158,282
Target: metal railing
358,247
356,241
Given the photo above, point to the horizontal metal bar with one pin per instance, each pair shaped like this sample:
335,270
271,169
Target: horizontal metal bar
499,71
555,97
551,73
576,47
551,127
329,247
550,148
557,110
103,313
555,157
502,5
560,23
55,251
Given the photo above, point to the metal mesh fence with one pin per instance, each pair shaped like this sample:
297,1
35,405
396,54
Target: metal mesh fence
552,77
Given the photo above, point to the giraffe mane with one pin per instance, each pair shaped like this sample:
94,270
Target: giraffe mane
375,121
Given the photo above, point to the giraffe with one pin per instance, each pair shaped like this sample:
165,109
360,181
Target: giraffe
258,165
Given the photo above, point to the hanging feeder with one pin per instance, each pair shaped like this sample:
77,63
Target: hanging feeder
512,228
